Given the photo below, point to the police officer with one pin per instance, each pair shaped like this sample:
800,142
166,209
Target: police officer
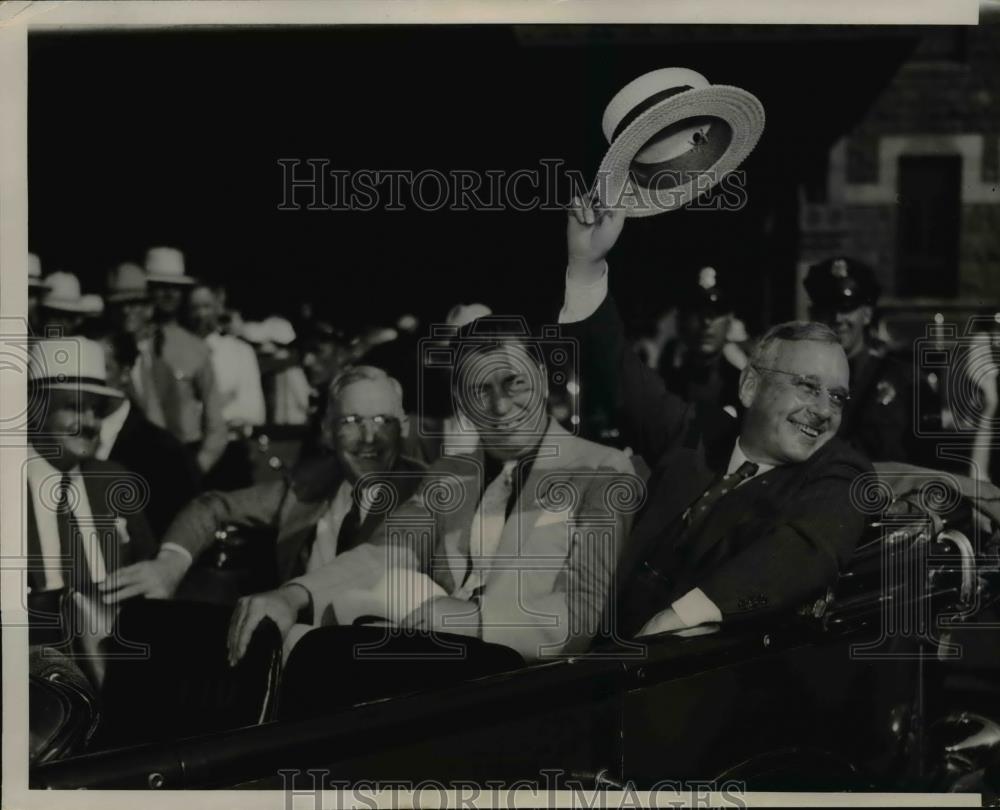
702,364
878,419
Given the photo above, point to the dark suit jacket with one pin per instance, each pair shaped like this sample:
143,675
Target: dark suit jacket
159,457
128,538
291,507
768,545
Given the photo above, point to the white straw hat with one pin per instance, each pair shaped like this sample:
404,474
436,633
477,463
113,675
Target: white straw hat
673,136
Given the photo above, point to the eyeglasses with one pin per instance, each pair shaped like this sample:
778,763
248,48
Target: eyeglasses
351,423
517,388
809,390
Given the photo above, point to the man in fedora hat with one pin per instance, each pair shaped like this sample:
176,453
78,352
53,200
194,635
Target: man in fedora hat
198,420
152,385
62,307
878,420
744,516
701,365
85,516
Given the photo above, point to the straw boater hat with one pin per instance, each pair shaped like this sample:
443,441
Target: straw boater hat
165,265
127,282
64,293
69,364
668,128
35,273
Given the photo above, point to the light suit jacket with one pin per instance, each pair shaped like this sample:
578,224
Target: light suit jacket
544,588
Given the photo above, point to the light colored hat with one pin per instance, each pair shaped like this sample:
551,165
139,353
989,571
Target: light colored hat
94,305
127,282
35,273
673,136
279,330
165,265
270,330
64,293
462,314
71,364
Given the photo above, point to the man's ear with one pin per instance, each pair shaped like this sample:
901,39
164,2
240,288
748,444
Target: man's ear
749,382
867,313
404,426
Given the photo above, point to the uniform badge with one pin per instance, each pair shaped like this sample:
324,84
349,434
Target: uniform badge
706,278
839,268
885,392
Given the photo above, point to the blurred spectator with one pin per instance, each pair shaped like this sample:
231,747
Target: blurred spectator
703,365
325,353
650,339
152,385
129,438
62,307
237,376
286,389
200,424
36,289
878,419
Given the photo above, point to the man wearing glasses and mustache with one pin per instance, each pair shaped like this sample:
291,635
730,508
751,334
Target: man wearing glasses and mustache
743,517
317,511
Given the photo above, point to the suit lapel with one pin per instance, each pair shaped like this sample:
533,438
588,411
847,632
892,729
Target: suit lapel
456,526
554,454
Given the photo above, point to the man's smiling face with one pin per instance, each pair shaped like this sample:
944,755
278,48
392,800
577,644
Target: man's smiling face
795,402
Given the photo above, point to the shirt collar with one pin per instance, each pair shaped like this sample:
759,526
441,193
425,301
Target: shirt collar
40,468
111,426
738,457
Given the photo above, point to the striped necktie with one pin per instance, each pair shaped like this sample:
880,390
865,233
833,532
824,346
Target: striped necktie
701,507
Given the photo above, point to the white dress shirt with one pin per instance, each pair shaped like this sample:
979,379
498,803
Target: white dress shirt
43,486
237,375
324,547
111,426
580,301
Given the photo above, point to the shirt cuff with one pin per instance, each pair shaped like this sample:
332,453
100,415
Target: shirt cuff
582,299
179,549
695,608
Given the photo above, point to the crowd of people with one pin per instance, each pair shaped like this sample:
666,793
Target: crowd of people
701,477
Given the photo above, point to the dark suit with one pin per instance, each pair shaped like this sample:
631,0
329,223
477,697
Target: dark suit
127,538
160,458
767,545
291,507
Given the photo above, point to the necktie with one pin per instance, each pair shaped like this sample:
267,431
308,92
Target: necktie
487,528
347,537
145,383
70,538
701,507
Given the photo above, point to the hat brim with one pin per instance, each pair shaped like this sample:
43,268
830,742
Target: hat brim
740,110
67,306
88,387
180,281
120,297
